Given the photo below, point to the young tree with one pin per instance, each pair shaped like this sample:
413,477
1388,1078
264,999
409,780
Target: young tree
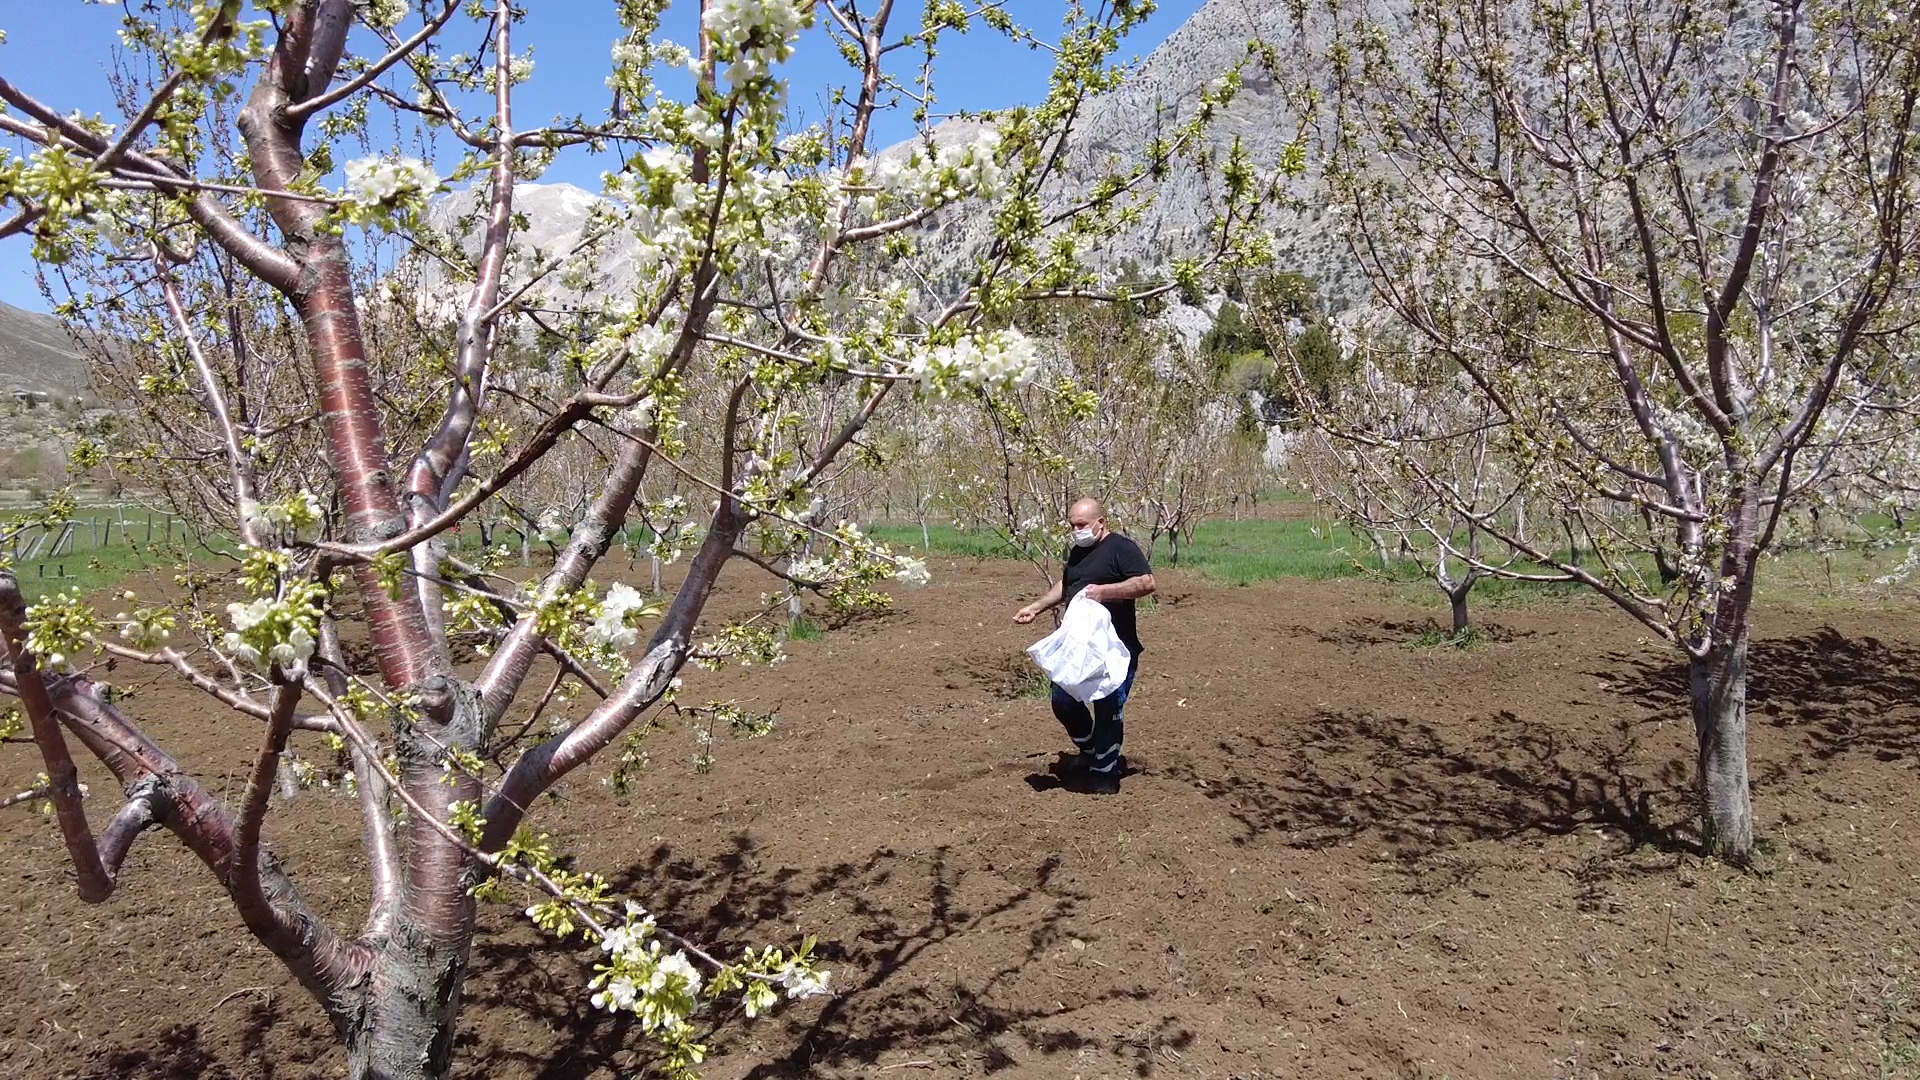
1405,451
1670,245
237,285
1122,409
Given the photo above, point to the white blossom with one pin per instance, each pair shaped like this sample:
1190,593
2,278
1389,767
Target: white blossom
999,359
810,570
802,983
754,34
676,965
622,939
912,572
955,171
636,418
610,629
279,631
374,183
299,514
144,634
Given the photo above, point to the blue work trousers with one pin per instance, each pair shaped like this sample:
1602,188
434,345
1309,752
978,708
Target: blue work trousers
1097,727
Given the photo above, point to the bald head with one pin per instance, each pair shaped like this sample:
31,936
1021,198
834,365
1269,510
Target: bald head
1088,522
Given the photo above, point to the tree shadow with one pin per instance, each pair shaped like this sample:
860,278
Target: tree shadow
178,1054
1363,632
1423,789
193,1052
880,915
1841,695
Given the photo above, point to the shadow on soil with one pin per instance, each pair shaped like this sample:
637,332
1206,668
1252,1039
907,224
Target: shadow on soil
1359,633
193,1051
1841,695
1418,788
898,907
1422,789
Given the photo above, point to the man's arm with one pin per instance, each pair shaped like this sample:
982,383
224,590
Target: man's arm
1131,589
1136,580
1051,597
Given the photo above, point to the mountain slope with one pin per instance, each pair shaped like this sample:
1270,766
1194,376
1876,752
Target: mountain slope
1114,130
37,355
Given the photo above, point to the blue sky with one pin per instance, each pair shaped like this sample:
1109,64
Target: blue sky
59,51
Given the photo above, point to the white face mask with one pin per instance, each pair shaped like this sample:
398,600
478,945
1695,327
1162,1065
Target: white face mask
1084,537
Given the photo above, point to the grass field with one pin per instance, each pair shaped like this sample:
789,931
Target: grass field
1231,552
101,551
1303,548
1294,545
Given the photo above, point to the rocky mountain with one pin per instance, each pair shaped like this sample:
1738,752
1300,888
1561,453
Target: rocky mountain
1115,129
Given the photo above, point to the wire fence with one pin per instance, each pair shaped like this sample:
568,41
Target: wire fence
92,533
118,536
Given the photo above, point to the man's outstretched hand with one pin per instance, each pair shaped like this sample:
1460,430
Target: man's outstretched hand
1024,616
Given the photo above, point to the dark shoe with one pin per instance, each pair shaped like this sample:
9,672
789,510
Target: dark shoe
1088,782
1071,765
1067,766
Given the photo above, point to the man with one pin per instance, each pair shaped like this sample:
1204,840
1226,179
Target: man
1109,568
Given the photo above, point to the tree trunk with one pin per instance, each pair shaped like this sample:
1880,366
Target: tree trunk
407,1029
1663,562
1718,684
796,605
1380,550
1173,548
1457,599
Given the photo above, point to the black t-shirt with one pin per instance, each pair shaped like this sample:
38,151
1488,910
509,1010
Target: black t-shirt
1110,561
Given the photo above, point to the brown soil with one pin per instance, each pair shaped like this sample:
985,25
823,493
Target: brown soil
1338,856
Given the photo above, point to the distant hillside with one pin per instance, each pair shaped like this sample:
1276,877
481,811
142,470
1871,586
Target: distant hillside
1113,132
36,354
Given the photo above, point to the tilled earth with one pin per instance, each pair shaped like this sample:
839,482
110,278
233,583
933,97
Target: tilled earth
1337,855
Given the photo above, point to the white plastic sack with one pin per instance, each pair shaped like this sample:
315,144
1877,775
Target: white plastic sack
1084,657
